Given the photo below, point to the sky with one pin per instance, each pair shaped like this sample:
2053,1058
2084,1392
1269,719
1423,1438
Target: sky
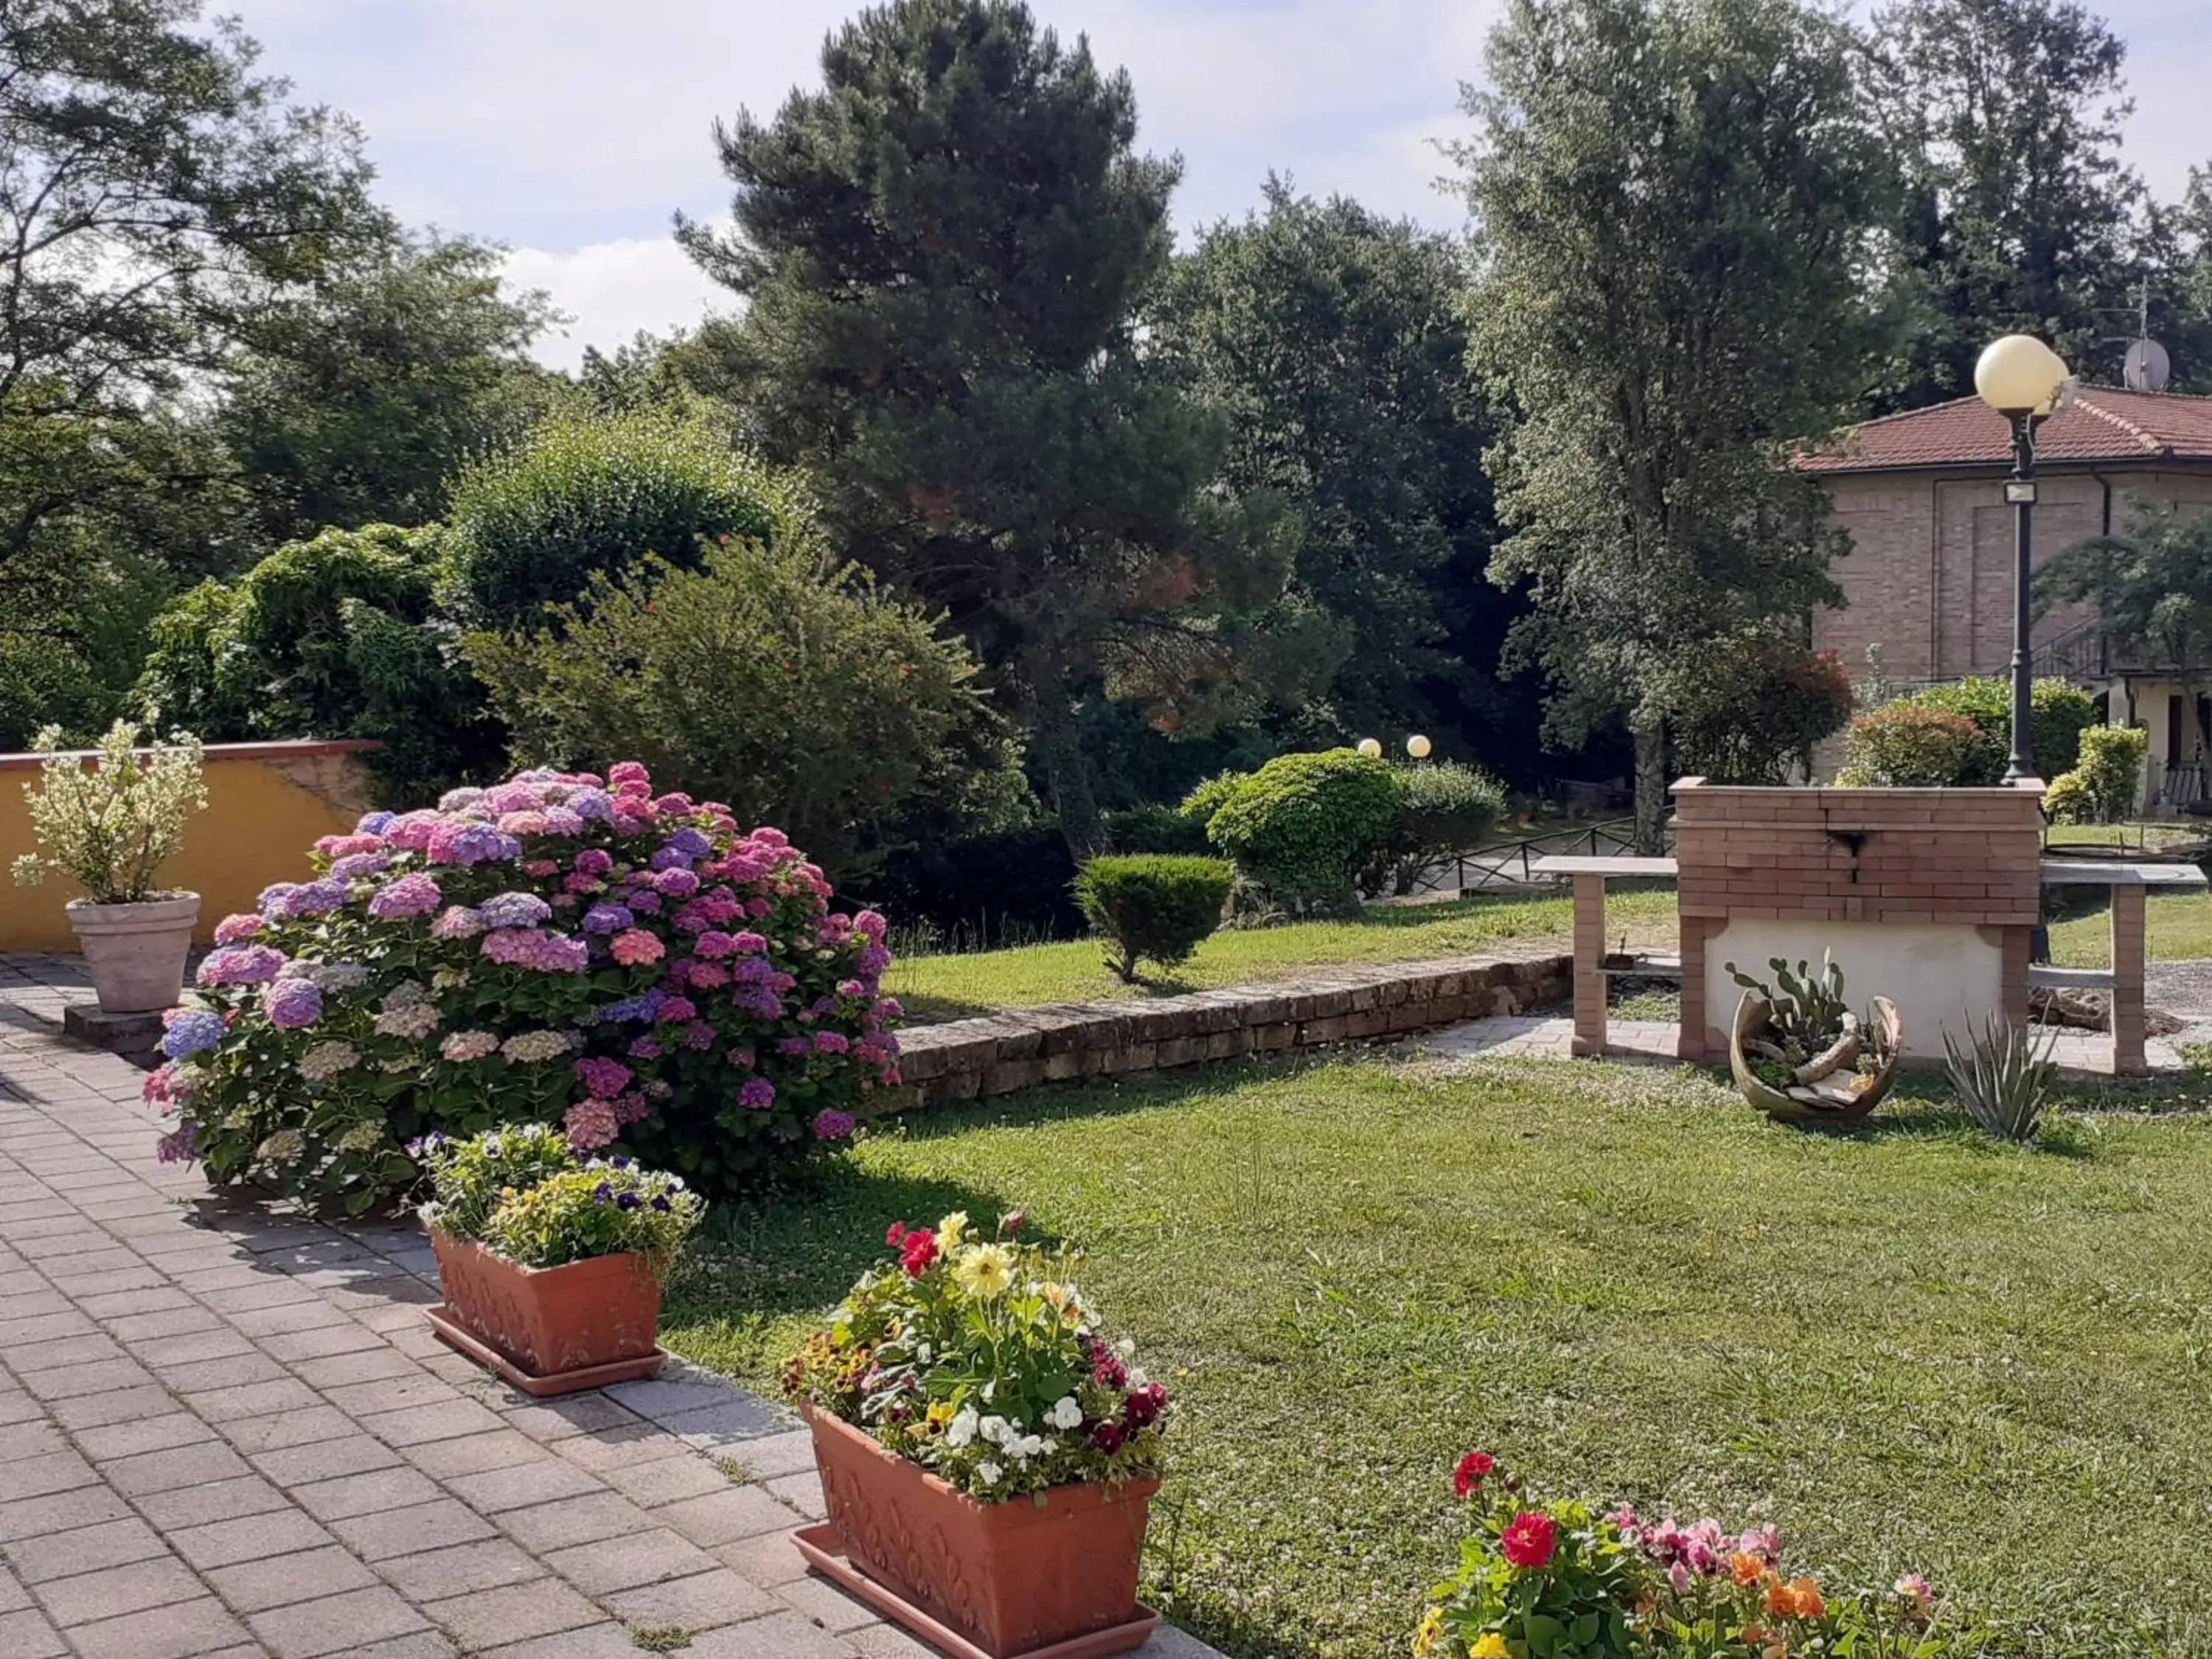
571,130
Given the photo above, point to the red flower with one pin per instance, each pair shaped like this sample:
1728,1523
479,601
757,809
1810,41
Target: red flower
895,1235
921,1250
1471,1468
1528,1539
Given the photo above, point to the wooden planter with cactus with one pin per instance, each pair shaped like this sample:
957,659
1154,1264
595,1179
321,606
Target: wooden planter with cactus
1800,1055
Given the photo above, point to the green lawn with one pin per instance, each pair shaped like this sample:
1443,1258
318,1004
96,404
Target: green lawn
1909,1348
2177,926
950,986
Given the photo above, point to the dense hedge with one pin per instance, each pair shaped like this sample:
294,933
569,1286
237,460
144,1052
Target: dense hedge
552,950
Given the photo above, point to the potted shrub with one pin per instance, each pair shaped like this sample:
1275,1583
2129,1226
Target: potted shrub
551,1265
1547,1579
987,1457
109,827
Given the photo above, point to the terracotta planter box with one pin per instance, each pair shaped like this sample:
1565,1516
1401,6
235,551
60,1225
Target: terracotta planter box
549,1330
1005,1579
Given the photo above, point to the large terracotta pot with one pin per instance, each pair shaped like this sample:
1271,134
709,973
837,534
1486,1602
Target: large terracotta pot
1844,1097
557,1329
136,952
1010,1578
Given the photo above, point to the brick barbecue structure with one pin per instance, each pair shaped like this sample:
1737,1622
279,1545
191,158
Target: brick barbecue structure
1930,572
1928,897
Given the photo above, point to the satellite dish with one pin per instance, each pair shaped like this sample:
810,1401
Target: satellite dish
2148,368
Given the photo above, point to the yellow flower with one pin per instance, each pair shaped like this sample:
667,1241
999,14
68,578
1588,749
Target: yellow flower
1424,1638
949,1230
1492,1645
985,1271
940,1413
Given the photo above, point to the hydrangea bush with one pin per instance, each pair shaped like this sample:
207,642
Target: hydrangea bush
977,1358
558,948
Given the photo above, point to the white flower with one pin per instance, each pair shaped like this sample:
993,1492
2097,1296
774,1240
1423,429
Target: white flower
995,1430
1023,1446
962,1429
1137,1377
1065,1413
327,1059
1126,1346
988,1473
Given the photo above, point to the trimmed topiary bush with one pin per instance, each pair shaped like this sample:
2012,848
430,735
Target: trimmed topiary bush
1199,805
1303,827
551,951
1445,808
1154,907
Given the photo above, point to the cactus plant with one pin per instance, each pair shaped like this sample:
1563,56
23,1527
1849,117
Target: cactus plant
2002,1077
1805,1011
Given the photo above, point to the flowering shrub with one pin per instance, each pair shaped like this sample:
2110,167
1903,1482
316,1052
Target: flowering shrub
553,950
1540,1580
111,826
523,1194
978,1359
1906,746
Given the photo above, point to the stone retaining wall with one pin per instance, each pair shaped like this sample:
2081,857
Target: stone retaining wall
998,1054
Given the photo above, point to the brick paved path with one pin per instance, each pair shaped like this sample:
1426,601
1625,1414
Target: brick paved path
226,1430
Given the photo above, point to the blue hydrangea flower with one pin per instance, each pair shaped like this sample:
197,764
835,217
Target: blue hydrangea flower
608,919
591,805
191,1032
691,842
374,823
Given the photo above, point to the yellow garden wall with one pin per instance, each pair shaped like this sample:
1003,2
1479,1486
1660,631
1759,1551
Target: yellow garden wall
268,802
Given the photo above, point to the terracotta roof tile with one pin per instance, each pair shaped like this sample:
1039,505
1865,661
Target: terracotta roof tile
2103,424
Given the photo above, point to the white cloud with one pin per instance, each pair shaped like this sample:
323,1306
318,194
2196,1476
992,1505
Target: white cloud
611,290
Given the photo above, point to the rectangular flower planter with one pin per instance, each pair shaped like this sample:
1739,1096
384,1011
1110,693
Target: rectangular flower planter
549,1330
1008,1580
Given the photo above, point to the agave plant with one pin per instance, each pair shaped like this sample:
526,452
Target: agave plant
2002,1077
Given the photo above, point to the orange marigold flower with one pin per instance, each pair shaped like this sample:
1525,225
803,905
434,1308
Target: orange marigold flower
1747,1570
1781,1600
1810,1605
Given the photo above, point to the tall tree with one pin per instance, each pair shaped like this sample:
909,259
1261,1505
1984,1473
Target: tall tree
943,250
2018,214
354,397
1673,200
1333,341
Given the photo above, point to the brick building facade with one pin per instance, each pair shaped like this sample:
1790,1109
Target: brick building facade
1930,577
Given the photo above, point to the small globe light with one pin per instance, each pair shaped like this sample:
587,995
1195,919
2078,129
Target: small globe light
1370,747
1418,746
2020,372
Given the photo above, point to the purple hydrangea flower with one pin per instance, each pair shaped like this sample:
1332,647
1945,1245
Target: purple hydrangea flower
671,858
470,842
240,964
275,900
830,1042
691,841
179,1146
414,895
374,823
608,919
593,805
756,1092
515,910
191,1031
358,864
292,1003
833,1125
325,894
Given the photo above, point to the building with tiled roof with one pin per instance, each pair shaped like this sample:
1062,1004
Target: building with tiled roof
1930,577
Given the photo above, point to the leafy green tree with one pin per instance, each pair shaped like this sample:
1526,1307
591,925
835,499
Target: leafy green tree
339,636
943,250
1752,708
355,398
1332,340
2151,587
590,496
771,678
1675,199
2018,212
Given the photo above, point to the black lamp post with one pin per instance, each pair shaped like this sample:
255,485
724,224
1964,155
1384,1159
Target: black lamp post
2024,381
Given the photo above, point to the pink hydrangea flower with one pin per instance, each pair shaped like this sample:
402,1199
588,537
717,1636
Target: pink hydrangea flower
240,964
756,1092
237,929
604,1078
590,1124
635,947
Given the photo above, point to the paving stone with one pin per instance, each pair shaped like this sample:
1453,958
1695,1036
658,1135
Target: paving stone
246,1364
737,1418
521,1485
37,1438
607,1641
557,1419
90,1377
253,1399
667,1479
441,1419
294,1428
657,1398
29,1357
248,1538
786,1636
701,1602
459,1569
821,1602
606,1448
801,1491
303,1576
178,1465
342,1623
472,1453
83,1549
183,1630
403,1532
885,1642
119,1406
777,1454
87,1597
304,1312
324,1460
28,1635
219,1500
59,1471
575,1521
423,1644
384,1394
320,1341
379,1364
145,1434
395,1488
514,1613
769,1560
85,1506
724,1517
624,1563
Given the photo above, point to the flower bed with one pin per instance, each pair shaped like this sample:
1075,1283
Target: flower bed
556,949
